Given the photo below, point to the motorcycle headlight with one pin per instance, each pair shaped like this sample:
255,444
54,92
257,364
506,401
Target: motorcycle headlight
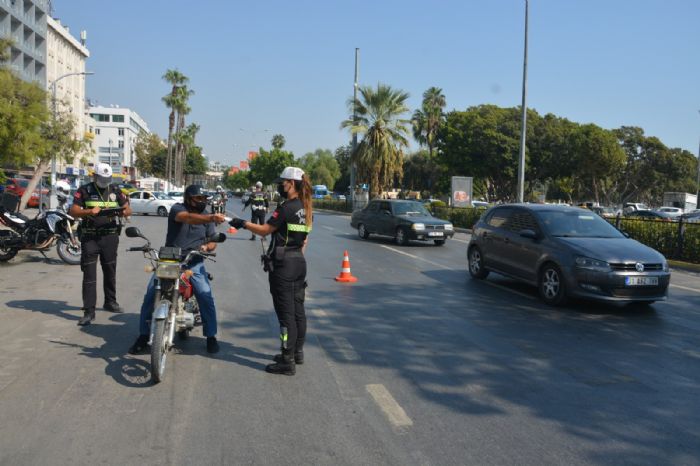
168,270
592,264
418,226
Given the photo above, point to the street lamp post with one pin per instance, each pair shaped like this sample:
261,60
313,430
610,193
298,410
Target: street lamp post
52,198
521,164
110,154
354,135
697,184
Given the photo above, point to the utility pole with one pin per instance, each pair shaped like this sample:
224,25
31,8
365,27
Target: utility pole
697,184
521,164
354,135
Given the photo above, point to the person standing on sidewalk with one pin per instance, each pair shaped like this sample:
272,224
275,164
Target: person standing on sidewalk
258,206
289,225
99,237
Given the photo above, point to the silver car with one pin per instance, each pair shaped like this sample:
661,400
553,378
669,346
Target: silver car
566,252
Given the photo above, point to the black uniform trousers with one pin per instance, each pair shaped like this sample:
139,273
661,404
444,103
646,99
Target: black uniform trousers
288,289
257,216
104,247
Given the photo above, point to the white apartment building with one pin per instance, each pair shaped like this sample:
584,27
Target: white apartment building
66,55
24,21
116,130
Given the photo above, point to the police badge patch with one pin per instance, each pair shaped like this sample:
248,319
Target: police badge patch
112,197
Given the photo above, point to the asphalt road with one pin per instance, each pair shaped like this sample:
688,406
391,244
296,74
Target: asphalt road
414,364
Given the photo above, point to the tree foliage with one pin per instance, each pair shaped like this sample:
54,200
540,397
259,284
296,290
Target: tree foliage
321,166
428,119
268,165
238,180
147,148
379,156
343,155
278,141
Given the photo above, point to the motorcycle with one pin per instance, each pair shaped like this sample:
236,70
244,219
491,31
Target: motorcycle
39,234
218,204
175,307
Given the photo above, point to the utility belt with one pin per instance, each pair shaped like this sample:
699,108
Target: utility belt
279,254
92,231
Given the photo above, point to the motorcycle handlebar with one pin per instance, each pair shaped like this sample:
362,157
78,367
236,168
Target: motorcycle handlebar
137,248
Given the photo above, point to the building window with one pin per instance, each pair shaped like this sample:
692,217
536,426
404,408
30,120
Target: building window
117,118
121,144
99,116
97,131
121,131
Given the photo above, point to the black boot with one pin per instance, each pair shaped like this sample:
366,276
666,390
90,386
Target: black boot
88,316
285,367
252,238
298,353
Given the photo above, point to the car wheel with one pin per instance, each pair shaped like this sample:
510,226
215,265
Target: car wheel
476,264
551,285
439,242
362,231
401,237
162,211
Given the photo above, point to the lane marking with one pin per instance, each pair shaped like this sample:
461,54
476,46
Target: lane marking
416,257
505,288
345,349
460,240
320,313
391,409
685,288
328,228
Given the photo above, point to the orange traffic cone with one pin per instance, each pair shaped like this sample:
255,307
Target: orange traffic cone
232,231
345,274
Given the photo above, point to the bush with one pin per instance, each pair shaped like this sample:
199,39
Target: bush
672,239
333,204
461,217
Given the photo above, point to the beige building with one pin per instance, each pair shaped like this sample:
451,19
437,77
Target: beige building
64,55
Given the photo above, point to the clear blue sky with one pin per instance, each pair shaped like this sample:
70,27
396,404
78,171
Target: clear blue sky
287,66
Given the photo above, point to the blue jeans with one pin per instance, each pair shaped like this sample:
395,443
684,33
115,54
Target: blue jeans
202,291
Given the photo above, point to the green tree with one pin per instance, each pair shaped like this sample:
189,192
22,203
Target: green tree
238,180
428,119
195,163
146,148
268,165
176,79
598,155
278,141
321,166
421,172
343,155
379,156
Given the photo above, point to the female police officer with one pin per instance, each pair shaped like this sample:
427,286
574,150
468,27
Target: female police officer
289,225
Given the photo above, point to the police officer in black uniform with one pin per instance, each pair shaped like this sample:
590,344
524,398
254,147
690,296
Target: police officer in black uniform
289,225
99,236
258,206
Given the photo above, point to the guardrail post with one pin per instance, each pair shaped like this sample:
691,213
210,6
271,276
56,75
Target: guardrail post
680,240
617,220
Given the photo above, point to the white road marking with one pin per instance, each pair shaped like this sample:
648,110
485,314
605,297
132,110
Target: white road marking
345,349
328,228
415,257
320,313
460,240
505,288
685,288
392,410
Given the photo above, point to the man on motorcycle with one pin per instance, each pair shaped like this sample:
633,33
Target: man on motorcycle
188,229
99,237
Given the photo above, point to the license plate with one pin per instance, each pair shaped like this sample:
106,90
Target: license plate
641,281
435,233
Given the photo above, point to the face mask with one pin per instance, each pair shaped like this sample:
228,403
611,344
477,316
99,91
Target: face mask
281,191
198,206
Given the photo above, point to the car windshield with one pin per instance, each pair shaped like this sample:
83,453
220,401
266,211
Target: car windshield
23,183
410,208
162,197
576,224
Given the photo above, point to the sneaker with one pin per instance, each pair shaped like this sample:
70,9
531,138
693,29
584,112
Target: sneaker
113,307
87,317
212,345
141,346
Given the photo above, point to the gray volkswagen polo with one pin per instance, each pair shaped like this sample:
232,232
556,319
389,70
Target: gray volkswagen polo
566,252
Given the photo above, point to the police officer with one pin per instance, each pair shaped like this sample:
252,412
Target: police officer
258,206
289,225
99,236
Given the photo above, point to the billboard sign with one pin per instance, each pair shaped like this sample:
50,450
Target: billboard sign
462,191
244,165
252,154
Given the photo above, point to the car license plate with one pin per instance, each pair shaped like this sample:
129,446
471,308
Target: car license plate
642,281
435,233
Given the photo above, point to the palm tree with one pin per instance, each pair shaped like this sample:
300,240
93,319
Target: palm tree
379,156
176,79
182,108
278,141
428,119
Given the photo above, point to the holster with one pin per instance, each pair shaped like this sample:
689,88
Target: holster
280,252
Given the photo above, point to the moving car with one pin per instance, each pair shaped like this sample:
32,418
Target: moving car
403,220
17,186
672,211
566,252
179,196
151,202
650,215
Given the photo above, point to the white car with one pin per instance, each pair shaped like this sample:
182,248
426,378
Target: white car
151,202
179,196
673,211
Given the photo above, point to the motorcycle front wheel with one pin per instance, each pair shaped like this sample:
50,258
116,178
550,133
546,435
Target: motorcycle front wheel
69,253
159,350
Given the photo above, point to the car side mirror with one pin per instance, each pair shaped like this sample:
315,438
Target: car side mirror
133,232
527,233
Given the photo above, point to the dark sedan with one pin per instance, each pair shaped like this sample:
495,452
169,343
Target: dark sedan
566,252
402,220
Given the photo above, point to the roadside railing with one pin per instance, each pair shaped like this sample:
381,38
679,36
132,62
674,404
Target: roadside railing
675,240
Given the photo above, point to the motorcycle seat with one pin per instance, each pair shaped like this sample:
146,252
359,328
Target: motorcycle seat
16,217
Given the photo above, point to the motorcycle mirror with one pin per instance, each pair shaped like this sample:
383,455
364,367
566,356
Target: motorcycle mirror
217,238
133,232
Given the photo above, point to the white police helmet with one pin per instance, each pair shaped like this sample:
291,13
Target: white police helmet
103,175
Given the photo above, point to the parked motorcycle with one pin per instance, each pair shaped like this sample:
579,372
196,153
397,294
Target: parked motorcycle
39,234
175,307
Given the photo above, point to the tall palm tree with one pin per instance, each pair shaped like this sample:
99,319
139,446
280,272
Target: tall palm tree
182,108
428,119
176,79
379,156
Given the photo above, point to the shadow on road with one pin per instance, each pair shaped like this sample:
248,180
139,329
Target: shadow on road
46,306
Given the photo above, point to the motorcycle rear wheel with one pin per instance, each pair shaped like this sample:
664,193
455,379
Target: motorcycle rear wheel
68,253
159,351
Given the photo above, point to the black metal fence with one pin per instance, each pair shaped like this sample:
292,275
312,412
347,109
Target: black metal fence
676,240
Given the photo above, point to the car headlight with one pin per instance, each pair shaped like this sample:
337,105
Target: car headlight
664,266
449,227
592,264
418,226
